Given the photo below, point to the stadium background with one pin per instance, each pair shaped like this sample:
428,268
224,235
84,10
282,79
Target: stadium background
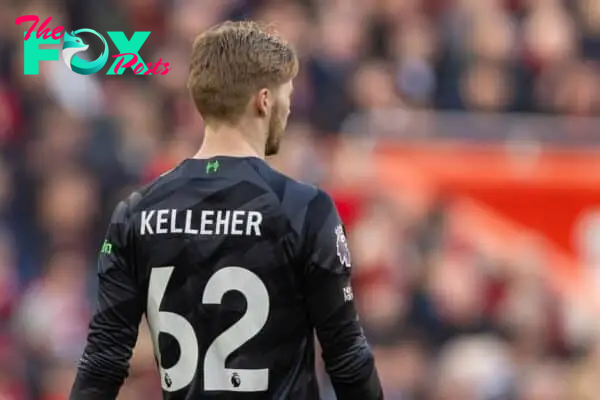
458,138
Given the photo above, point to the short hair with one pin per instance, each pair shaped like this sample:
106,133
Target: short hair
231,61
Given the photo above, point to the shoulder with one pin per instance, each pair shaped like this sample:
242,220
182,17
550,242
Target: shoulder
136,200
293,195
145,195
321,205
283,186
306,206
308,200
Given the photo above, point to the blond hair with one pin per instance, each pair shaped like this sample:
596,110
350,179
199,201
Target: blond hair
233,60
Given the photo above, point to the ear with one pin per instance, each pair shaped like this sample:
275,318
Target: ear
263,101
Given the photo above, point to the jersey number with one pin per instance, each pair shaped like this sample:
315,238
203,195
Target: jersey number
216,375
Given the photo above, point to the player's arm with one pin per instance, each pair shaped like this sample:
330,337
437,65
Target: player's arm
347,356
114,326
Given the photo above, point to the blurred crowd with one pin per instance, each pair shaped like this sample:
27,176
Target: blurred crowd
446,321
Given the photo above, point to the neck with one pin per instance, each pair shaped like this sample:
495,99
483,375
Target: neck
230,141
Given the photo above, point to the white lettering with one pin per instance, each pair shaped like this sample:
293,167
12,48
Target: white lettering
146,227
254,221
204,230
223,222
162,221
212,222
238,216
174,228
188,224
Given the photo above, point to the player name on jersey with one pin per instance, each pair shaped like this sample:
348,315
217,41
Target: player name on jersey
209,222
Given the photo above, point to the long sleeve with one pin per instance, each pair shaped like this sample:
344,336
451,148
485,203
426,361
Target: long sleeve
114,326
346,353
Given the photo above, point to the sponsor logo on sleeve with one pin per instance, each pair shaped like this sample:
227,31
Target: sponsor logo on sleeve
348,293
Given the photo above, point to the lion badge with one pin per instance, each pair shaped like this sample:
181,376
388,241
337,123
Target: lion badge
342,247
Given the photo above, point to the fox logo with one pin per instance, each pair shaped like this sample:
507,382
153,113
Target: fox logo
128,50
74,45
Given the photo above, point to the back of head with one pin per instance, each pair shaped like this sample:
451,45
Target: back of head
232,62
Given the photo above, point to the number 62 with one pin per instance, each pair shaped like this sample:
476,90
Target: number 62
216,375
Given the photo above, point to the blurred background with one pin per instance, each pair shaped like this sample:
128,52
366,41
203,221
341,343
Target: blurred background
459,139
